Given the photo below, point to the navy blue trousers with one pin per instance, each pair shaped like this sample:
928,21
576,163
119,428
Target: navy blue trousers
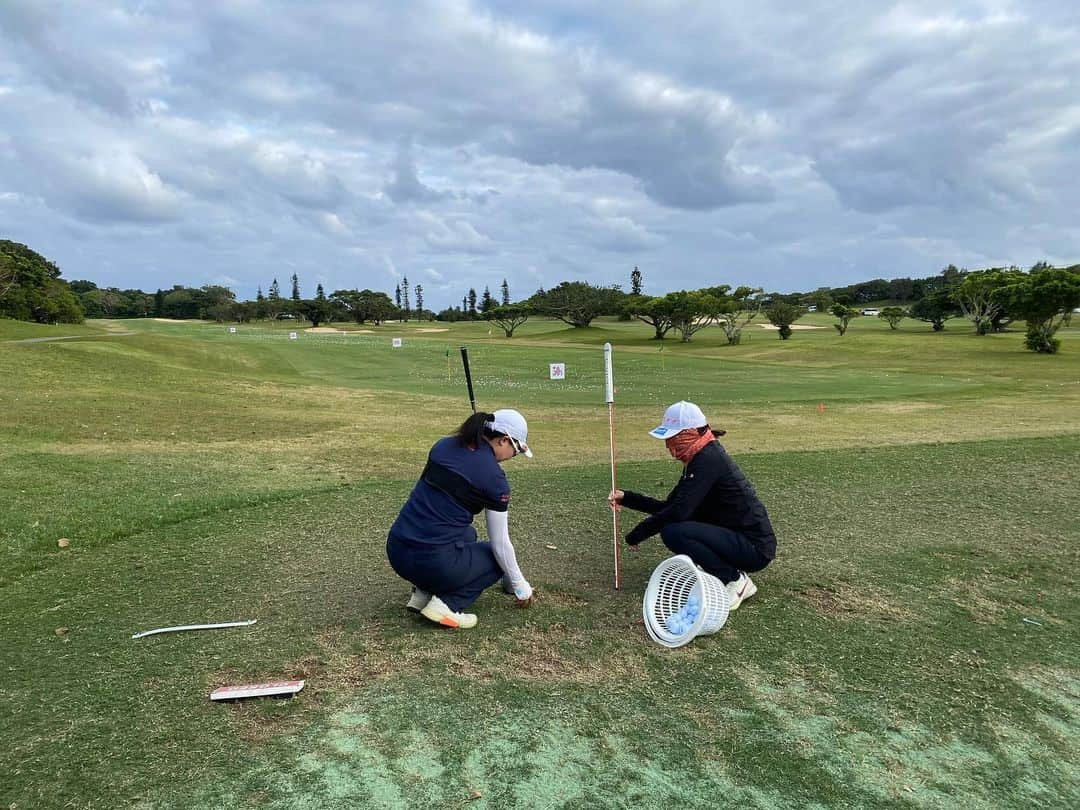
457,572
719,551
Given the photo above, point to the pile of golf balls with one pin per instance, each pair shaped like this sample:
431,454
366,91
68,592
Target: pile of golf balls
681,622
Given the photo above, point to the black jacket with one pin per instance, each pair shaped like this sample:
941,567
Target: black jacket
713,490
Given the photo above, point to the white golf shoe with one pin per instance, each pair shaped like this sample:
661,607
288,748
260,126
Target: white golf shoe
418,600
436,610
739,590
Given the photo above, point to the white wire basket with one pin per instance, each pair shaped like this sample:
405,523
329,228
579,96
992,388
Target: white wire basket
682,602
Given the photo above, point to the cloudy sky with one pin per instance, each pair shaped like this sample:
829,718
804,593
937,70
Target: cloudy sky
458,142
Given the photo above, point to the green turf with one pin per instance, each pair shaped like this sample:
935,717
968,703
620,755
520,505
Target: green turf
924,513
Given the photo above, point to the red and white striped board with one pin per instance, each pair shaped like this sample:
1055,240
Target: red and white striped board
246,690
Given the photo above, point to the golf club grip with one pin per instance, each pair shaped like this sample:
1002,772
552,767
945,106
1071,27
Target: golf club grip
468,377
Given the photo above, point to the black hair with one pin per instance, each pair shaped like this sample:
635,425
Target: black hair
472,430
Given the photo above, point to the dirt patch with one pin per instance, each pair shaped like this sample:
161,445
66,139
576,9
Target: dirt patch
846,601
985,601
325,330
551,654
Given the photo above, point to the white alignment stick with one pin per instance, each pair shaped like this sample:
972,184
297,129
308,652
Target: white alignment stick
193,627
609,398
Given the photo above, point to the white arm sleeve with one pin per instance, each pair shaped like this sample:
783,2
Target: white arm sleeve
498,530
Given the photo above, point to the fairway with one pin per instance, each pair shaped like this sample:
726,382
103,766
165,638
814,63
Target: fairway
915,643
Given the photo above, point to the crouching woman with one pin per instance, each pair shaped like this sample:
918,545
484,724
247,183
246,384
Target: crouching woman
713,515
433,544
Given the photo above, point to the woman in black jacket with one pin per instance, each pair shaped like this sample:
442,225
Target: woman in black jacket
713,515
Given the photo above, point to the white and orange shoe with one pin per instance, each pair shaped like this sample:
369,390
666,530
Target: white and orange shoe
740,590
436,610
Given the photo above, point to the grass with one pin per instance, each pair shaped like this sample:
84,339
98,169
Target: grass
924,514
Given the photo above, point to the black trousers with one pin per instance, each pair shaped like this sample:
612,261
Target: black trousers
719,551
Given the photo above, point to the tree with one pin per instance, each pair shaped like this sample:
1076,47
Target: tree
259,297
405,297
320,295
692,311
295,288
179,303
935,308
397,296
577,303
820,299
486,300
31,288
364,305
845,314
7,278
1045,299
419,302
738,310
635,282
654,311
471,309
893,315
275,292
505,293
509,317
314,310
783,314
975,297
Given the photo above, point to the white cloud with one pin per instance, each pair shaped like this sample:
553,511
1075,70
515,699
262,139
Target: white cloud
568,139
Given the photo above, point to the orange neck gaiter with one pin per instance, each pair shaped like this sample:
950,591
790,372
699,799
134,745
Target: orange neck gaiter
686,444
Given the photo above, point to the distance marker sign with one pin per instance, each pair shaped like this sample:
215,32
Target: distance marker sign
557,371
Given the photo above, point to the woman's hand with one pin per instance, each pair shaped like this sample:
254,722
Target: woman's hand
524,596
615,499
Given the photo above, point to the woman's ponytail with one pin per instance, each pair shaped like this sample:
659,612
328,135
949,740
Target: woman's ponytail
472,430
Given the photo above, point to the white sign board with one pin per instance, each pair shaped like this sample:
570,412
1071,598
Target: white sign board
246,690
232,330
292,335
558,371
396,343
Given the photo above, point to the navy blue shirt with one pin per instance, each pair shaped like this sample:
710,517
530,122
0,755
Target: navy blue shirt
458,482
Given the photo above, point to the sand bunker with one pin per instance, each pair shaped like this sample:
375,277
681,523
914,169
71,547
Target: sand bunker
793,326
432,330
329,330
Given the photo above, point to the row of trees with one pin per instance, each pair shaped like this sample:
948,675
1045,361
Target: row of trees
1044,297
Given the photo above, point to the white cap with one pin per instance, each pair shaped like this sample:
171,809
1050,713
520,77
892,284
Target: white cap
679,417
511,423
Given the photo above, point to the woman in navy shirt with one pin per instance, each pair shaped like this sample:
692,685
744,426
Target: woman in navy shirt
433,544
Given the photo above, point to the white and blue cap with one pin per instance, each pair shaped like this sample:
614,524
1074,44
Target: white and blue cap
511,423
681,416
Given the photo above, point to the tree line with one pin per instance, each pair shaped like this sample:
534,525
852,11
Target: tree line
1044,297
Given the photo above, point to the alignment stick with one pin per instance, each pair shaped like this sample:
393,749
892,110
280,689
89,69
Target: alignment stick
609,398
468,377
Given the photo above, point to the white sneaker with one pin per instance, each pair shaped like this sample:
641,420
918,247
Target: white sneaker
418,600
739,590
437,611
